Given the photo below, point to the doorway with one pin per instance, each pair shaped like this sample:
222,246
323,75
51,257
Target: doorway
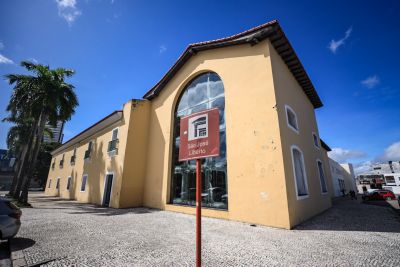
107,189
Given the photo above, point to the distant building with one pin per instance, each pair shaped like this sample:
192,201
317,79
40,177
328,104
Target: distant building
343,178
57,133
381,176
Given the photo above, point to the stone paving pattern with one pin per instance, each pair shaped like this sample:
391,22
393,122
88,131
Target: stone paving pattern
65,233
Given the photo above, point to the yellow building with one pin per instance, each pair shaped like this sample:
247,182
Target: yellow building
272,169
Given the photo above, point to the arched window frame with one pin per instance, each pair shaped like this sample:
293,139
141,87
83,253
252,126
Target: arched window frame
213,100
319,177
292,148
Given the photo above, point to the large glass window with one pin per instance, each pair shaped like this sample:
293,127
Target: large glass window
204,92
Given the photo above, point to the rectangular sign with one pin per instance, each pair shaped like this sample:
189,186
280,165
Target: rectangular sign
199,135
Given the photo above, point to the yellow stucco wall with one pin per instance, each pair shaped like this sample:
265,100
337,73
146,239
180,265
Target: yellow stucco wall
328,172
99,164
135,156
256,183
260,178
289,92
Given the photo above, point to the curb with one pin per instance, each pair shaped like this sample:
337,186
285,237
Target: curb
17,256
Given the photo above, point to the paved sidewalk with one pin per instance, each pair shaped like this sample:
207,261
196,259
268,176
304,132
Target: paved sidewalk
62,233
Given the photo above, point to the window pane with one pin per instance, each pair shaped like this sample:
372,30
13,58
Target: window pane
292,119
202,93
216,86
197,91
316,140
183,103
220,104
115,134
83,186
299,173
322,177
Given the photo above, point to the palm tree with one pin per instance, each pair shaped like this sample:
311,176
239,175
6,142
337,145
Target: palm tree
17,143
43,97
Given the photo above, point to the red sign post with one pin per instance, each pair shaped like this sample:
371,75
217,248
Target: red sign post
199,138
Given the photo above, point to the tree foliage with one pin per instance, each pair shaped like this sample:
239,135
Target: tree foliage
38,98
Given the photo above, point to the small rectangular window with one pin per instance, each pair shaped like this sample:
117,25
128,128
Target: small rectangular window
69,183
83,185
58,183
49,183
73,157
89,150
316,140
113,144
291,119
390,179
115,134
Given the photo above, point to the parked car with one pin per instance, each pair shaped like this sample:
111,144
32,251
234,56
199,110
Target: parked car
10,221
380,195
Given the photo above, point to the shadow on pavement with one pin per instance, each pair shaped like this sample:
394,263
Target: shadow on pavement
20,243
86,207
4,251
351,215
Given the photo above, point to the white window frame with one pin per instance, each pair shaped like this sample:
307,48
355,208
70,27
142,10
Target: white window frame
319,177
114,152
318,145
91,150
58,183
287,107
104,186
294,173
69,182
49,186
84,190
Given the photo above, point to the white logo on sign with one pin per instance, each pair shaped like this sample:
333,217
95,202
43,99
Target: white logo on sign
198,127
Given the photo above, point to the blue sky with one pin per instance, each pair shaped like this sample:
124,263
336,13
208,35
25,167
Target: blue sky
121,48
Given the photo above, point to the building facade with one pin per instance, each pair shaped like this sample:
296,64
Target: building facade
343,178
271,170
381,176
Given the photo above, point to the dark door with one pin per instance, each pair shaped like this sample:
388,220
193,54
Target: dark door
107,190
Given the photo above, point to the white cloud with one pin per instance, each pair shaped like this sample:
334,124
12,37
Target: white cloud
163,48
67,10
343,155
1,46
371,81
66,3
4,60
392,152
334,45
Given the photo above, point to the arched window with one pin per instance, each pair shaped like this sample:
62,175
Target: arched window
204,92
300,176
